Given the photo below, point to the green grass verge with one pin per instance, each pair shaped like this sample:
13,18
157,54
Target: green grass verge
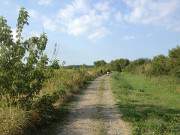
152,105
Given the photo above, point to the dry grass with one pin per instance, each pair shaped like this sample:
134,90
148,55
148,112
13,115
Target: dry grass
12,119
65,79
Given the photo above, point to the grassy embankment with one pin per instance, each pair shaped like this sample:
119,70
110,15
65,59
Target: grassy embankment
61,85
151,105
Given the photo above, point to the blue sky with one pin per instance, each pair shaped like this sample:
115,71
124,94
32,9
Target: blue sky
90,30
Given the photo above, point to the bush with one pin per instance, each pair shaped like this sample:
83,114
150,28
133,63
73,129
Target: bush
44,108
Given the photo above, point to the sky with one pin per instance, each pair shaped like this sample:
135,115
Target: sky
89,30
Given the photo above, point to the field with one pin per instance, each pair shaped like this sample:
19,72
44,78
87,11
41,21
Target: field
151,105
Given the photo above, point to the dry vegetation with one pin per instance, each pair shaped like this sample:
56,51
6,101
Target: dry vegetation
58,88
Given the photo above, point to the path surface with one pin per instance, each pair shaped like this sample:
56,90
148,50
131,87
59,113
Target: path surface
95,113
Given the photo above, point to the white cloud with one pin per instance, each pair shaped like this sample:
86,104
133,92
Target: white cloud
102,6
150,11
81,17
49,24
44,2
92,19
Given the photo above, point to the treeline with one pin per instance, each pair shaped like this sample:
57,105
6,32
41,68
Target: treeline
159,65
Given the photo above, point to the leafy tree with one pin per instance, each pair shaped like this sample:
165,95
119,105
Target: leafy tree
55,64
119,64
22,62
174,55
115,66
123,63
160,65
100,63
137,66
141,61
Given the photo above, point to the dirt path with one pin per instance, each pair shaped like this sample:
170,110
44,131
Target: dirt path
94,113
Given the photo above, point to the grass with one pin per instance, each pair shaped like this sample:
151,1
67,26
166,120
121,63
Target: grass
152,105
64,81
12,119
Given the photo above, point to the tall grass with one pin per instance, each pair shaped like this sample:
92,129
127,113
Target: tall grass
12,119
152,105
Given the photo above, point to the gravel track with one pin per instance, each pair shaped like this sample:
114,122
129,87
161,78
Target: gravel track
94,113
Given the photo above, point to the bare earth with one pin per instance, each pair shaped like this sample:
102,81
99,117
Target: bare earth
95,113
